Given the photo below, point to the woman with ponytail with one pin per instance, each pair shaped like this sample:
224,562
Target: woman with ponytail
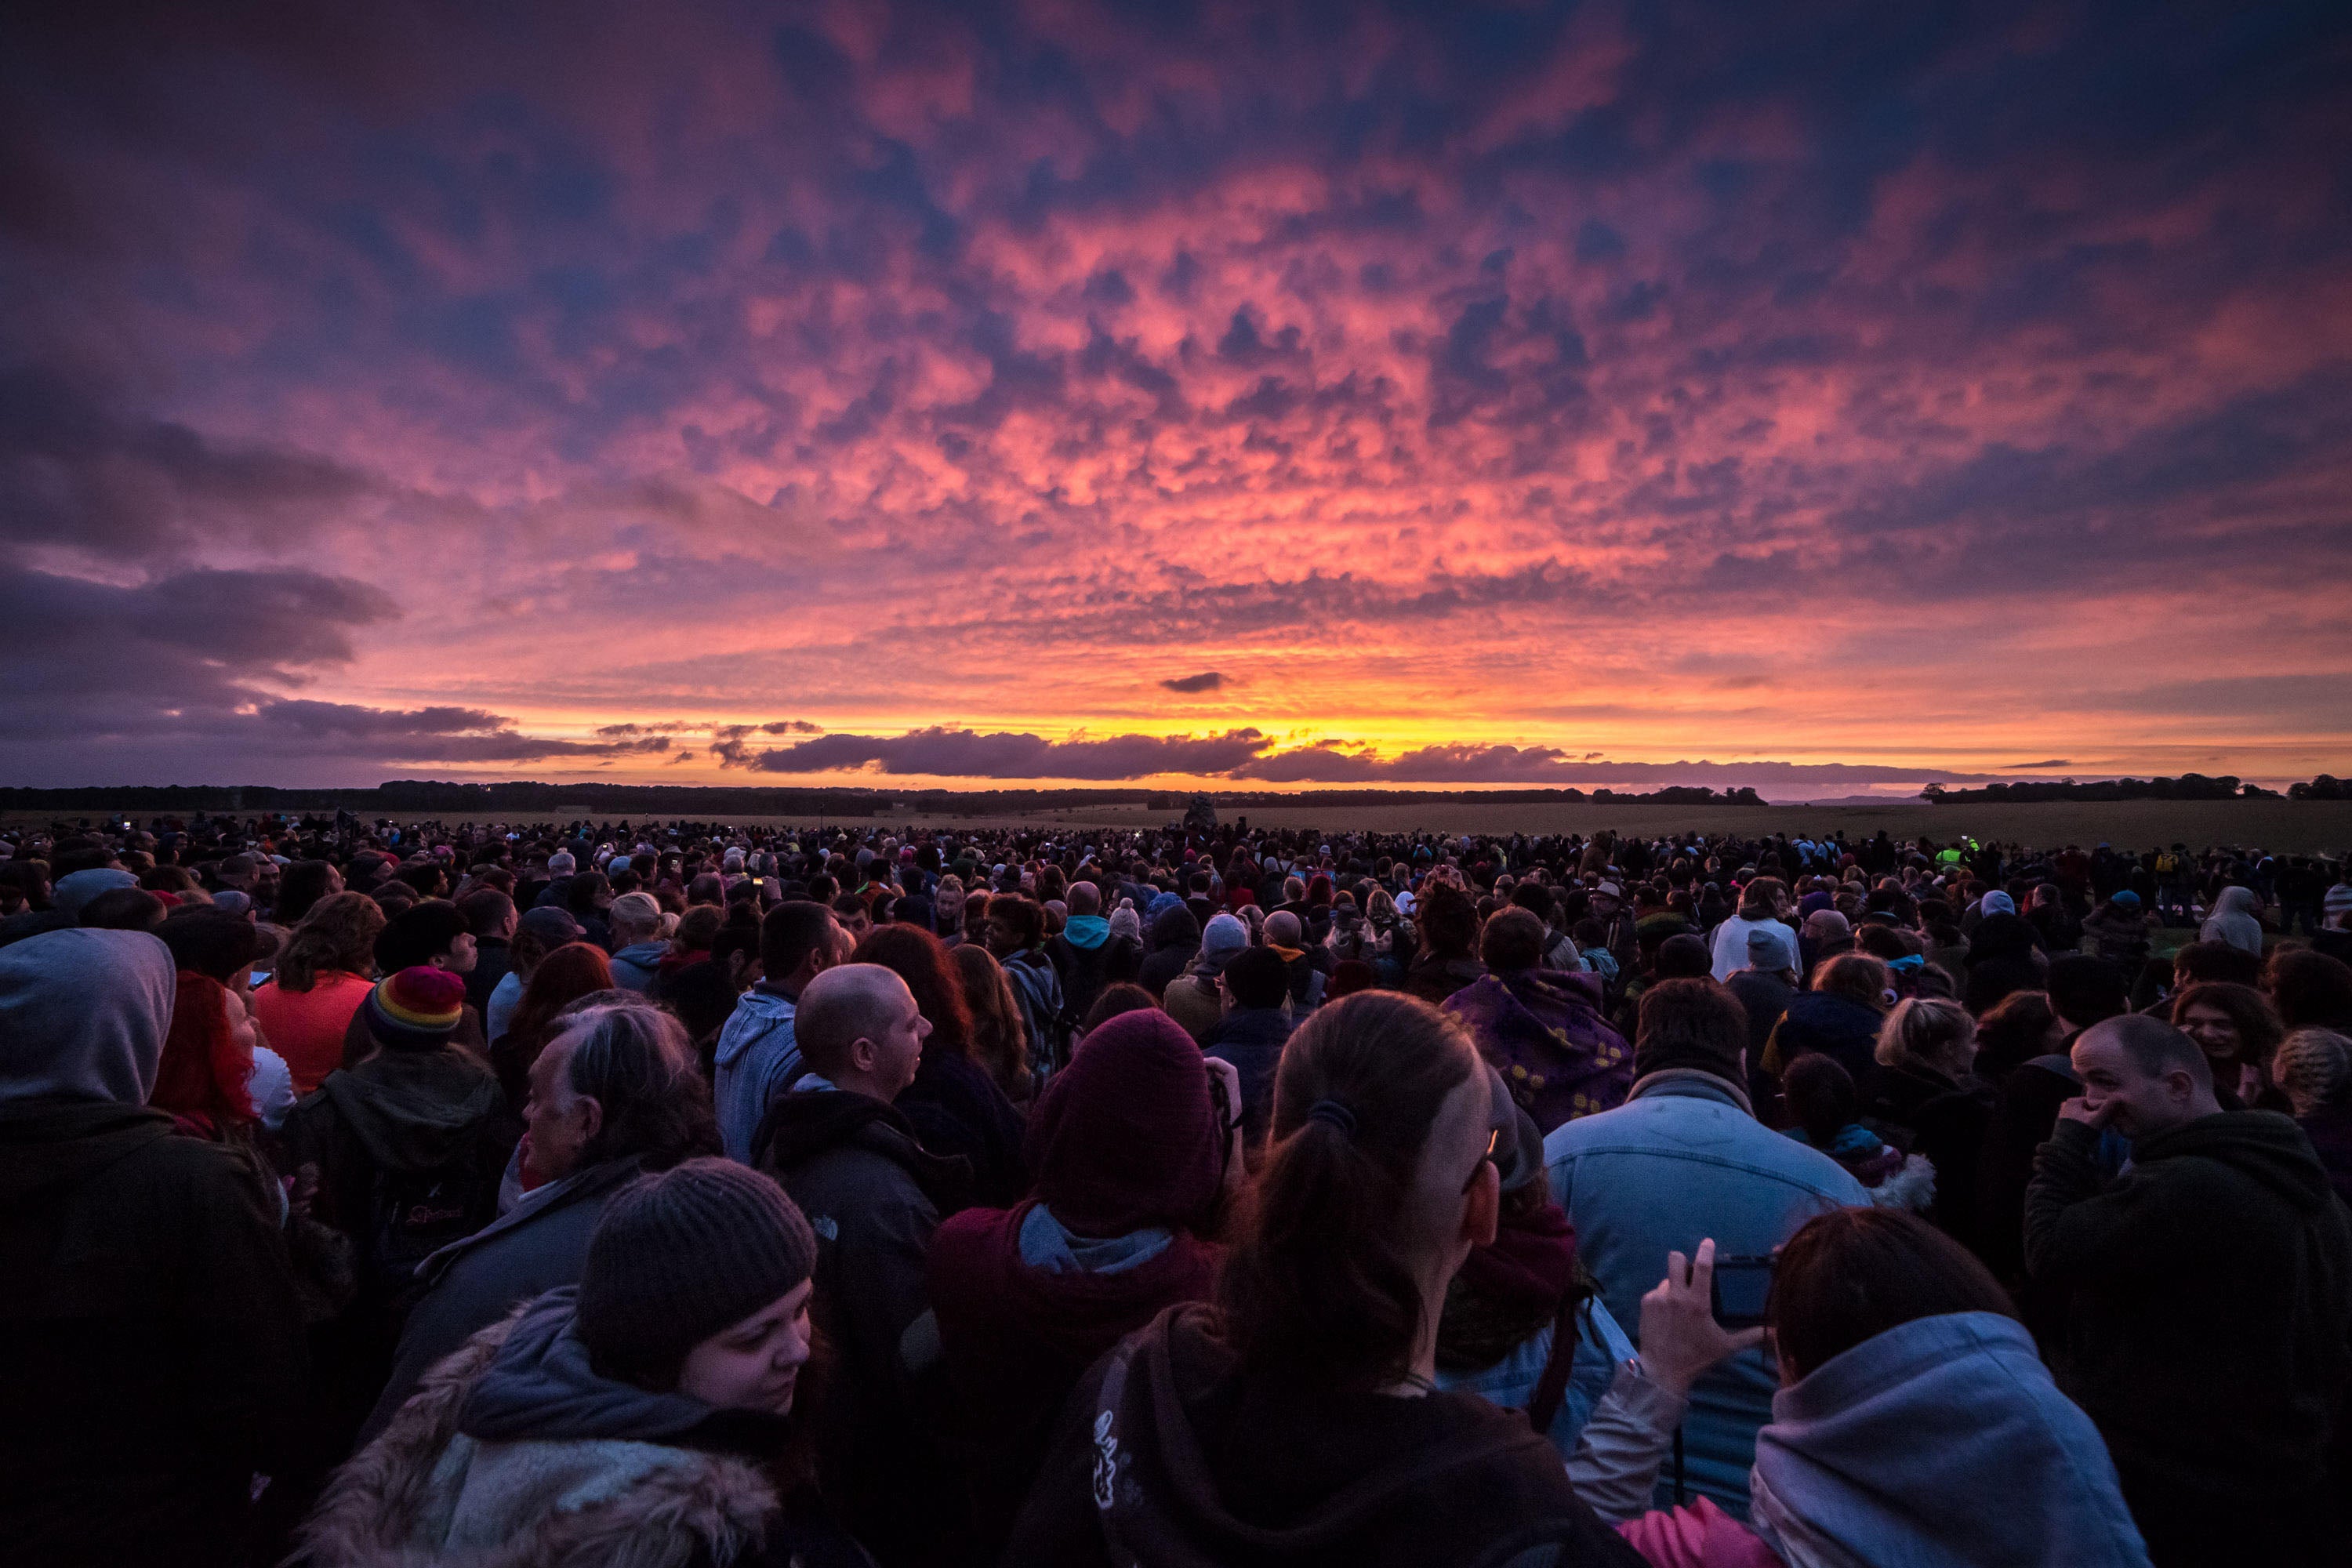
1297,1418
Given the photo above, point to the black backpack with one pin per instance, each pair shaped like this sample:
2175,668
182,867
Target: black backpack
411,1215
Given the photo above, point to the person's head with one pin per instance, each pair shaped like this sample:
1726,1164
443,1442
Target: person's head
1763,899
616,1079
1691,1023
211,943
855,917
2311,990
2314,1069
1513,940
208,1055
2085,990
1127,1135
1773,949
489,913
337,936
417,1009
1929,1032
1852,1274
1449,921
1014,925
2154,1077
2234,1025
997,1040
1282,929
2202,960
304,883
1084,899
539,932
1377,1185
697,1282
431,934
576,969
123,909
1125,996
633,918
916,957
2020,1027
1257,978
858,1025
799,940
1820,1096
1223,940
1857,977
83,1014
76,890
1683,956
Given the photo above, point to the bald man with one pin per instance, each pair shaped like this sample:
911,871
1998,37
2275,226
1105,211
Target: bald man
2207,1298
874,1196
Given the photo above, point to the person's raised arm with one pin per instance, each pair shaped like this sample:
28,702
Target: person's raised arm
1615,1467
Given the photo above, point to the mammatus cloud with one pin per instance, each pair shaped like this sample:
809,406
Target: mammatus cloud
1540,385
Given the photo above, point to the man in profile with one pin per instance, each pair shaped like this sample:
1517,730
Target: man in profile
758,1057
2206,1298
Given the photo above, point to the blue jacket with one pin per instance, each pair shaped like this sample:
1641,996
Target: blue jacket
756,1061
1941,1443
1602,1348
634,966
1682,1160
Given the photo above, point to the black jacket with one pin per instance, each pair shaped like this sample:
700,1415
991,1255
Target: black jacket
150,1342
2208,1299
1196,1464
539,1244
1175,943
873,1195
1923,1112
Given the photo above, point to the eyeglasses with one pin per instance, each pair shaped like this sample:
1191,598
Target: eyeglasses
1494,1141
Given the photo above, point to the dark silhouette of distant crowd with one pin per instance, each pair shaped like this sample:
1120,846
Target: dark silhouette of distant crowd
716,1195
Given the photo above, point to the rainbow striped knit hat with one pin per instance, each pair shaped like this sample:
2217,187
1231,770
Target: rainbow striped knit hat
417,1009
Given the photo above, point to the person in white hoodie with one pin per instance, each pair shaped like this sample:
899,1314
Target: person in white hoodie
1762,904
758,1058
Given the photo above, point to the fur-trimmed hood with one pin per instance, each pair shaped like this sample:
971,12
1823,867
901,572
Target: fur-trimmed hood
425,1492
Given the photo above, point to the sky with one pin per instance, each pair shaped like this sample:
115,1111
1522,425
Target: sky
1822,398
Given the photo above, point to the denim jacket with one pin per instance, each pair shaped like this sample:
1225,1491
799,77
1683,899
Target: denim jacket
1682,1160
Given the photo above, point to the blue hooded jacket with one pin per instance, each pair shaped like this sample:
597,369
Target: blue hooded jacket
1941,1443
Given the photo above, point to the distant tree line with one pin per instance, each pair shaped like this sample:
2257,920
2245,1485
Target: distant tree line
2188,786
527,797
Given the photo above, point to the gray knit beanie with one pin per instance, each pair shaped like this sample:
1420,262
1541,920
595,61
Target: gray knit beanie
678,1256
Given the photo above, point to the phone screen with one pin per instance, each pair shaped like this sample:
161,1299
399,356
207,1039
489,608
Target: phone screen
1741,1285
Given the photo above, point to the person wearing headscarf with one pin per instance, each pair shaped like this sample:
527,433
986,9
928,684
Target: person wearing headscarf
1133,1158
2234,920
150,1349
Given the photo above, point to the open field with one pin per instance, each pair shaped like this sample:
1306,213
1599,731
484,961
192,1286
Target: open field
2285,827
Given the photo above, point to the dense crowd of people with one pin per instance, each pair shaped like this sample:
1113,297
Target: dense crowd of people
728,1195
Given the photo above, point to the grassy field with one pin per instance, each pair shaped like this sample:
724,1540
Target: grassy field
2295,828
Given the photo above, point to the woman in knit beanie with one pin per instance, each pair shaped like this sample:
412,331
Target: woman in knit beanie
645,1414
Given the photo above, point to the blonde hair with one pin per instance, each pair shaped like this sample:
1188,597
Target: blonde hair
1927,1031
2314,1069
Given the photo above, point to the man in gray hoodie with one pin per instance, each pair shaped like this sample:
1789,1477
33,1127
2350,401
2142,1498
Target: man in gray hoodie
757,1058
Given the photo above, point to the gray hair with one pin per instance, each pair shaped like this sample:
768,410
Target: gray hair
635,1059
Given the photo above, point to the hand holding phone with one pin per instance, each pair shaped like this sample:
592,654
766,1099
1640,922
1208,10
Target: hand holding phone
1681,1339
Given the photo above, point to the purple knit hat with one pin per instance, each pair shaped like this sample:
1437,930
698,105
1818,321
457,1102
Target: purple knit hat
1126,1136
